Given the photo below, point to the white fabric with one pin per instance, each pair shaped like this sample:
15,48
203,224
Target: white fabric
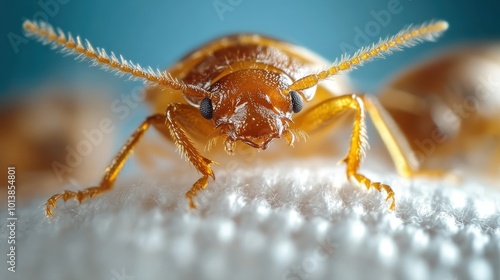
290,220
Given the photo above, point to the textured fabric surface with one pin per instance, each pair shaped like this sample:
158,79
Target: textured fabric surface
284,221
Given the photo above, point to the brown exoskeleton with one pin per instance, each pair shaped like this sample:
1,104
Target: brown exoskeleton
448,107
248,88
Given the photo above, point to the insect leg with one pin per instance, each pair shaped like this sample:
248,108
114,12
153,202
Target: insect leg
395,141
327,111
111,171
176,114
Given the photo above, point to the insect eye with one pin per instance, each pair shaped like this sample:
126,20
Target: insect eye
296,101
206,108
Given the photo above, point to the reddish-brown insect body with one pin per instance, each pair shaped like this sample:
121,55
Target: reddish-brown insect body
246,74
248,88
449,107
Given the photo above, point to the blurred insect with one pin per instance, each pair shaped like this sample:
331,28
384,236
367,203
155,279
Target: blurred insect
247,88
449,106
41,130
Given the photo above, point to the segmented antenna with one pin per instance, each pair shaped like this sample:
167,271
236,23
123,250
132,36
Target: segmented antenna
45,33
408,37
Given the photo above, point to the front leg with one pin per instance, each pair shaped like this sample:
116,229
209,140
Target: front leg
111,171
174,115
326,112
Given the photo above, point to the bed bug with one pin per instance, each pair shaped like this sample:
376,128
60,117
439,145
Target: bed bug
251,89
448,106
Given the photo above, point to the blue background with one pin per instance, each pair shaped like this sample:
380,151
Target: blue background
157,33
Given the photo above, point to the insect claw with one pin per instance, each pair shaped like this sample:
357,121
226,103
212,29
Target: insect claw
191,204
393,205
342,161
51,203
